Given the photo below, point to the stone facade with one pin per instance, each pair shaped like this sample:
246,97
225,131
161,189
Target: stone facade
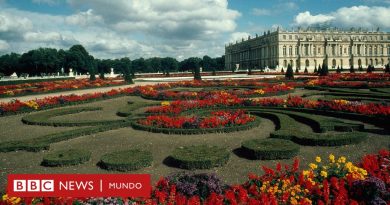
308,49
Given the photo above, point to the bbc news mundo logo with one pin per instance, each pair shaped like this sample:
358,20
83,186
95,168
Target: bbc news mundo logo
79,185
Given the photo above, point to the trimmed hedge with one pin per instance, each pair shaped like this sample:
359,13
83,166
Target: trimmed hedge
247,126
320,139
321,123
199,157
127,160
43,118
269,149
66,157
43,142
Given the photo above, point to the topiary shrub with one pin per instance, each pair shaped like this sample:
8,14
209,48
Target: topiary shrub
199,157
66,157
127,160
267,149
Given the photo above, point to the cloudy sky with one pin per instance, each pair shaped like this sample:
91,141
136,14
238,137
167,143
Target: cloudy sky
175,28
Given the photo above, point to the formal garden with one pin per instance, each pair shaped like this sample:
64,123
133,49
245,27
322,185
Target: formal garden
279,140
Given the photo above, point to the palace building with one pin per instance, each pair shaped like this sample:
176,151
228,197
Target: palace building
308,49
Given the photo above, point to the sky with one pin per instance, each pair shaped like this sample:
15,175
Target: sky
169,28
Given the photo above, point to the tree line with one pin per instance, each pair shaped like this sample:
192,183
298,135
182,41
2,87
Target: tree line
44,61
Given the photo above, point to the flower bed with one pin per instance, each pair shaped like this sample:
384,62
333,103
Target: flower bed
325,181
55,86
217,119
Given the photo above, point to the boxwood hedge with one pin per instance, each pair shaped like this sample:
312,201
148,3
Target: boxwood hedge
199,157
269,149
66,157
43,118
127,160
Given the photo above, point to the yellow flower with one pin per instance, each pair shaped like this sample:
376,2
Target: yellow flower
165,103
259,91
313,166
342,160
324,174
331,158
318,159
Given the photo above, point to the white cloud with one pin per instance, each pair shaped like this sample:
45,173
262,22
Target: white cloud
355,16
129,28
185,19
42,37
84,18
306,18
261,12
238,36
4,45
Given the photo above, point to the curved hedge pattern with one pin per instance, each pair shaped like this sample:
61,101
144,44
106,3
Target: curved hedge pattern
199,157
268,149
127,160
66,157
43,118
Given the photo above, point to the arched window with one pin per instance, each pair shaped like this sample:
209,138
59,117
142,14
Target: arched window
333,63
285,63
359,62
341,62
307,63
375,50
284,51
290,51
370,51
291,63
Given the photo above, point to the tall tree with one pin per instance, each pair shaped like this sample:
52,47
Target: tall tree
78,59
324,70
289,73
352,69
9,63
126,66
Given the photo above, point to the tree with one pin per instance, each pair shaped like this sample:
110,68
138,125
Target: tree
319,70
192,64
169,64
338,69
125,66
352,69
282,71
387,68
220,63
360,68
296,70
305,71
91,68
140,65
324,70
315,70
208,63
78,58
289,73
9,63
154,65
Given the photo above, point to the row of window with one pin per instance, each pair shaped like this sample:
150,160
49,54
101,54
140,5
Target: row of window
355,38
334,62
342,50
